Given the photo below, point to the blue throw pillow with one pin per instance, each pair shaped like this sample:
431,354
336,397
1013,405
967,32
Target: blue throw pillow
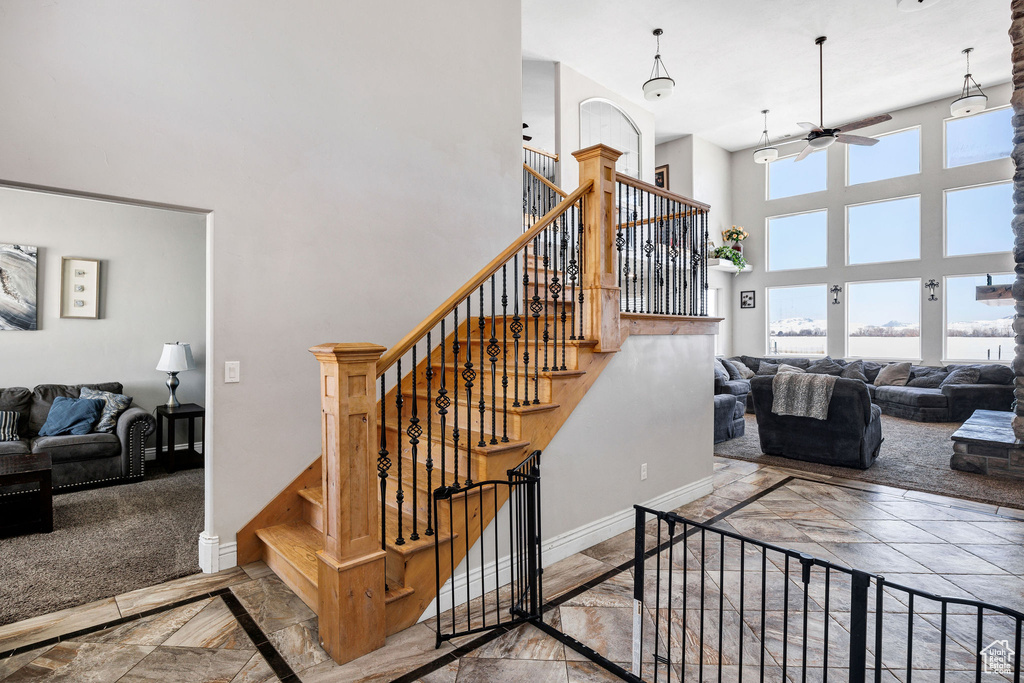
72,416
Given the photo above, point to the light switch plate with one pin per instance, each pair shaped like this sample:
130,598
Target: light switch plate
232,371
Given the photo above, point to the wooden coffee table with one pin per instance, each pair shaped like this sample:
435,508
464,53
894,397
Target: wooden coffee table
27,469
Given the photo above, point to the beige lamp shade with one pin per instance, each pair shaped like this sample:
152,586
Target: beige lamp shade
176,357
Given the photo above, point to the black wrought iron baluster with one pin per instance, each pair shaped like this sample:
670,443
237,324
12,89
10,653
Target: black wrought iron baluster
383,466
442,402
638,304
493,349
554,288
526,326
704,269
668,614
703,563
546,242
806,562
743,583
563,249
535,308
468,377
620,241
656,229
942,644
517,328
571,271
979,644
657,600
879,613
414,431
910,638
399,493
482,325
504,353
429,465
785,617
579,263
1016,660
764,607
824,640
721,600
455,404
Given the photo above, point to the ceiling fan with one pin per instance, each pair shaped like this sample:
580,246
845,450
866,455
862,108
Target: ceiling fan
819,137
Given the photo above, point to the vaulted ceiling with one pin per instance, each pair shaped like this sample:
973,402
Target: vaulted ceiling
732,58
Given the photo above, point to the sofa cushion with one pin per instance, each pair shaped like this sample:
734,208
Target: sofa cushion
18,399
113,406
964,374
871,369
929,380
43,395
766,368
720,372
825,366
67,448
919,397
734,387
72,416
730,367
784,367
741,368
989,373
893,375
19,447
855,370
8,425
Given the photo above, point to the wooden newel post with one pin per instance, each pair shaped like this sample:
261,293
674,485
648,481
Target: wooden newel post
600,284
351,577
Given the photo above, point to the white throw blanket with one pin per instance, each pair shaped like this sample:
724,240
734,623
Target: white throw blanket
802,394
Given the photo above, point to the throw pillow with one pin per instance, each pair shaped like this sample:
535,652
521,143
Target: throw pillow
766,368
893,375
730,367
931,380
855,370
745,371
964,374
825,366
113,406
71,416
789,368
8,425
994,374
720,371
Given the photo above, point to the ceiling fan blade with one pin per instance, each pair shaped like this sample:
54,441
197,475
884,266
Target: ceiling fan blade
863,123
856,140
527,138
803,155
808,126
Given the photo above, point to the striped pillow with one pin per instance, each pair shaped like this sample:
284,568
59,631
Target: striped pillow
8,425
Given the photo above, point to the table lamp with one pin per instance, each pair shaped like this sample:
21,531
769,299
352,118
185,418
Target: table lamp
176,357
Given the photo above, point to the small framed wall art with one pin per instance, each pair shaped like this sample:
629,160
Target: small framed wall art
661,177
79,288
747,299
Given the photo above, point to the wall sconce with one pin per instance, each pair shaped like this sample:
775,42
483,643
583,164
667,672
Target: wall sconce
835,293
932,285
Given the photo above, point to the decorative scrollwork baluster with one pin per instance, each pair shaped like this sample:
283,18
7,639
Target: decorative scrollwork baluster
455,395
399,492
429,531
383,466
468,377
414,431
504,353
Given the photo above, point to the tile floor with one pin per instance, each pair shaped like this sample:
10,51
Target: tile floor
236,626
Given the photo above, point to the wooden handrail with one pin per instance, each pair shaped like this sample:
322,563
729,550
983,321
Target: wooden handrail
549,155
551,186
408,341
654,189
654,219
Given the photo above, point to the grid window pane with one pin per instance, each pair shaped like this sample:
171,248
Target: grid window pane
884,319
884,231
787,177
603,122
978,330
798,241
978,138
978,219
894,155
797,320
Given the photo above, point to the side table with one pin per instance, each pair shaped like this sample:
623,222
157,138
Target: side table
25,469
166,455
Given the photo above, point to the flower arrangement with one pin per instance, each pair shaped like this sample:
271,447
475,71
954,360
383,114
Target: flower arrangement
733,255
734,234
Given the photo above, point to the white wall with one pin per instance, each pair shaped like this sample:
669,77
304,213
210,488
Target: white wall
152,285
344,151
702,170
539,103
751,208
572,88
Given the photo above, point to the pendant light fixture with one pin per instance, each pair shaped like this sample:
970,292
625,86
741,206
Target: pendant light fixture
765,152
972,99
658,86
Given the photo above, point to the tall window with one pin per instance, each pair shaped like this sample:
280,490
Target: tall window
982,137
978,219
884,319
797,320
788,177
601,122
894,155
978,329
884,231
798,241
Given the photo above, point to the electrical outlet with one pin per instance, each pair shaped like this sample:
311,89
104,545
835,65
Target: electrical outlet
643,471
232,371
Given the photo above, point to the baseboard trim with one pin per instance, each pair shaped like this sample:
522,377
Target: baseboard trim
149,453
569,543
215,556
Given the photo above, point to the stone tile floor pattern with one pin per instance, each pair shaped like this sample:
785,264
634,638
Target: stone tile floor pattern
946,546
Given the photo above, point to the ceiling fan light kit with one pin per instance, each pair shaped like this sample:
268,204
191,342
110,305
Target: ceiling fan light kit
765,152
972,99
658,86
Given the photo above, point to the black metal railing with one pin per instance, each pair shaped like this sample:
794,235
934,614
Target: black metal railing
661,250
710,603
539,197
545,164
500,581
456,383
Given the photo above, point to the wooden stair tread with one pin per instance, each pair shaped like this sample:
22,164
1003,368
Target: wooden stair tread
410,547
552,374
314,495
397,593
521,409
297,543
490,449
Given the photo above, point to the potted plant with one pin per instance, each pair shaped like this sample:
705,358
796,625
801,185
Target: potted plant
736,236
733,255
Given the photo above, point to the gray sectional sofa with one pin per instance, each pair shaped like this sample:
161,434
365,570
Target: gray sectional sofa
93,459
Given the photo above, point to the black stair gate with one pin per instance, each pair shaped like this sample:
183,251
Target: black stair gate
499,584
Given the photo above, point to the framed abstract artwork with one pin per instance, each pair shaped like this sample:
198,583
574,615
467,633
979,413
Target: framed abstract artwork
661,177
18,268
79,288
747,299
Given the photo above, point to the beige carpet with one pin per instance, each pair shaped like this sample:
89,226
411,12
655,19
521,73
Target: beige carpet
915,455
105,542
